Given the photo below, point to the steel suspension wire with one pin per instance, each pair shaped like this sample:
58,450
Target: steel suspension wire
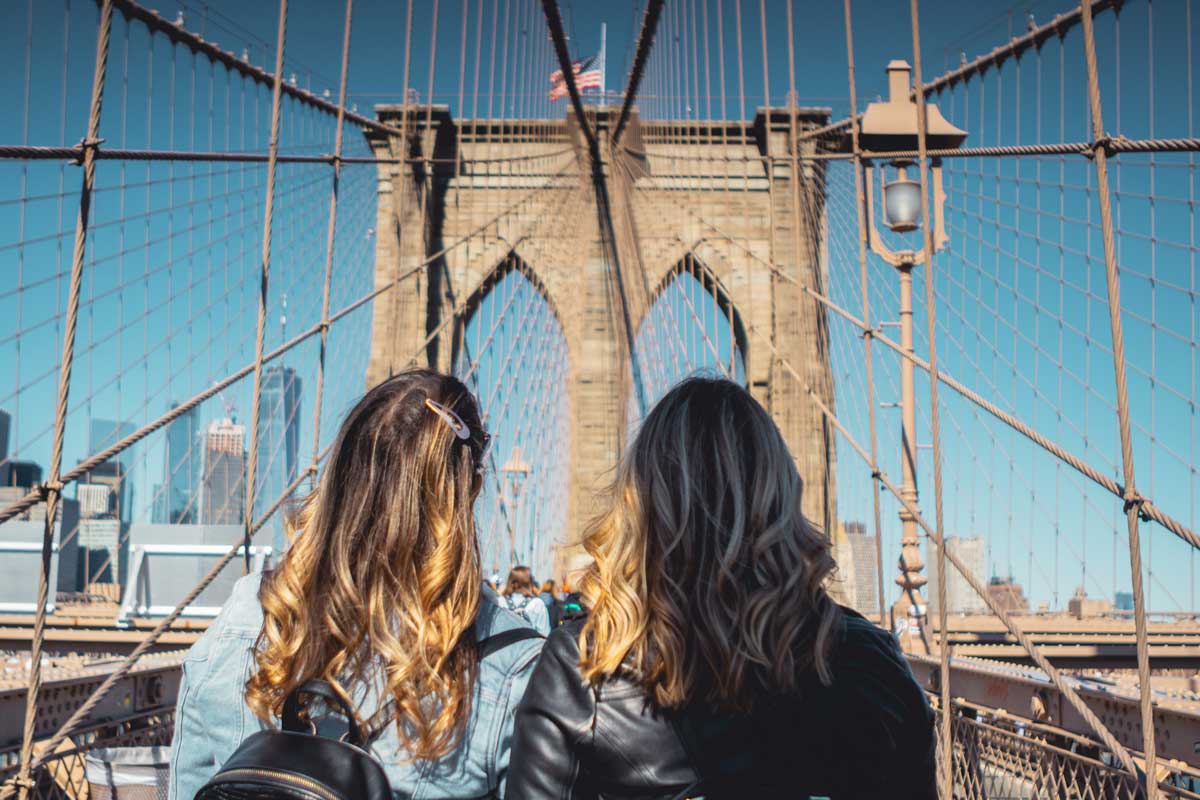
946,763
268,219
1130,495
330,234
1057,27
604,206
176,34
662,298
53,488
868,361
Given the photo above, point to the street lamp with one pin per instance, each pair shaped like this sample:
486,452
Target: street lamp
515,472
891,127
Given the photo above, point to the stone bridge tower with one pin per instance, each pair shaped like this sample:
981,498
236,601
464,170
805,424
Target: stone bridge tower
736,213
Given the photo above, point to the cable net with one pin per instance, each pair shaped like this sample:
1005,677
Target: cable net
254,251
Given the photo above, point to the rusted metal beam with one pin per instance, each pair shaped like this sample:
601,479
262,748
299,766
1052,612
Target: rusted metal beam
151,685
1023,691
61,641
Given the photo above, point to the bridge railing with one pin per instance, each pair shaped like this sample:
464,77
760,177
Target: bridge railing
63,773
1016,759
1002,758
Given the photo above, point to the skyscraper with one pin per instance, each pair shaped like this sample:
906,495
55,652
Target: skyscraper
176,502
864,588
960,597
99,551
105,433
5,428
278,442
95,500
223,490
24,474
99,541
109,478
1008,594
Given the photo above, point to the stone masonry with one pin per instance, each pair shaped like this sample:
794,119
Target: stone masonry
676,190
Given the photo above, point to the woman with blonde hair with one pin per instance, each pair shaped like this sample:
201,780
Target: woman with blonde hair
712,661
379,597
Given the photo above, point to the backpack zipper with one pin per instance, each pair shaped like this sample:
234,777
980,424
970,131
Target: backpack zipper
286,777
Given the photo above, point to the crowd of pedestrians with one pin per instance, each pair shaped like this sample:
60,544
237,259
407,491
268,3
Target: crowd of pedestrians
699,654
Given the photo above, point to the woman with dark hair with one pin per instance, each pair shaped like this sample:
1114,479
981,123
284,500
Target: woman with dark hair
712,660
379,597
520,596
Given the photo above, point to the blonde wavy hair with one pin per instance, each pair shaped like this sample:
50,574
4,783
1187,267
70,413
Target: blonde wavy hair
382,579
707,582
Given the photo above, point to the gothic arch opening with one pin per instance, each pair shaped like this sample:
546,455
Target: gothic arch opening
511,351
690,327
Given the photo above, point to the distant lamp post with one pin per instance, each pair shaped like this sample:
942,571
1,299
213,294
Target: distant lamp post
516,472
891,127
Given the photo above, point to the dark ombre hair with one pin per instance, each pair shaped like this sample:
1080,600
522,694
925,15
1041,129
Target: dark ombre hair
383,574
707,582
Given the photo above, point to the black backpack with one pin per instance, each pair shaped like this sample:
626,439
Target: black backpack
297,763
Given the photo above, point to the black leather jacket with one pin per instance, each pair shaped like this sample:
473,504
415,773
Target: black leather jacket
868,735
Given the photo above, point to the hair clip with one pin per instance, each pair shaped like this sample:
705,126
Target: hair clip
450,418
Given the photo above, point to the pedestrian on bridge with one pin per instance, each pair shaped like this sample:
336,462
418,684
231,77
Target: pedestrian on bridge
379,597
553,604
521,597
712,661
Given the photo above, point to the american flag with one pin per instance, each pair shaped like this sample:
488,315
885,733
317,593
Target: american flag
588,75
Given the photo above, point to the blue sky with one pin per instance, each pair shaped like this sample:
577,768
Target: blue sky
171,287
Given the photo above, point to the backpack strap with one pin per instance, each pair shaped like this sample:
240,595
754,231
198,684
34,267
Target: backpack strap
498,641
290,718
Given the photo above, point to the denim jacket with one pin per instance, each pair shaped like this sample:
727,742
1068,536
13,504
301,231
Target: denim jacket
212,718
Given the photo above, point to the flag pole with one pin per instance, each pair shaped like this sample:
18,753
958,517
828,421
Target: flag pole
603,61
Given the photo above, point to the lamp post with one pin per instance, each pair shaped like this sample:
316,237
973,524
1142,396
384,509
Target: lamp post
515,472
892,127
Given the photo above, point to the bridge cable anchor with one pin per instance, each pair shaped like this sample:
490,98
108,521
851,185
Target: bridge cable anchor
19,782
1105,143
86,144
1136,500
